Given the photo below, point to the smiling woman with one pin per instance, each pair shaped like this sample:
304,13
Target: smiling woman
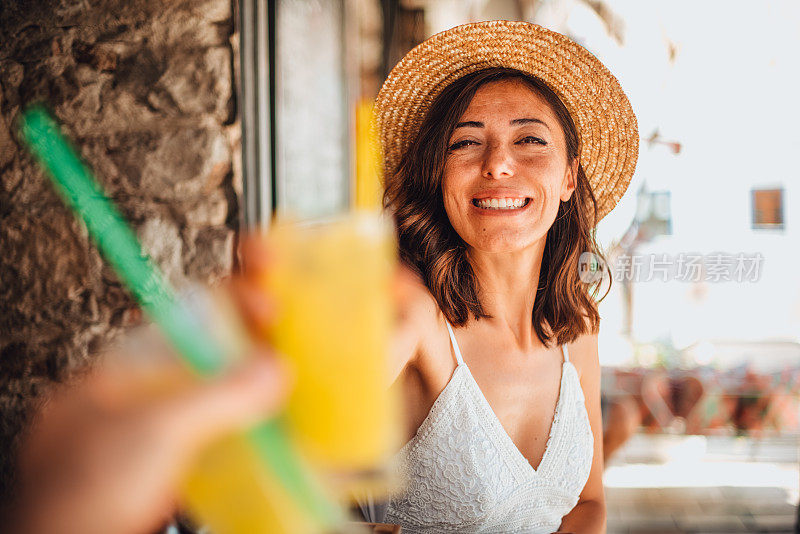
478,136
505,144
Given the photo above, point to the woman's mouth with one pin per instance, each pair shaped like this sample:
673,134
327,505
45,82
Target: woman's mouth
500,203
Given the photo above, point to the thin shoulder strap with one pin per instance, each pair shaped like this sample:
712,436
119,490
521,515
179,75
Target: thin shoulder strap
459,359
566,352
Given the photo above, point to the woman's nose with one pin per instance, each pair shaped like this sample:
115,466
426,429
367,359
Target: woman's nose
497,162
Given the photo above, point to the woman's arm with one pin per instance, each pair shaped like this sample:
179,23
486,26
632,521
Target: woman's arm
589,515
415,318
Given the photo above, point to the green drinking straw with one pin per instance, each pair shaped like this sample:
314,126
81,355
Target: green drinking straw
122,250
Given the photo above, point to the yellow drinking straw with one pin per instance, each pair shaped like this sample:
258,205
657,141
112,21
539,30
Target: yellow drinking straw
120,247
368,159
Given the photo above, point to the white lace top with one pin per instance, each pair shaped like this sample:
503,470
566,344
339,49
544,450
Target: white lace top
465,474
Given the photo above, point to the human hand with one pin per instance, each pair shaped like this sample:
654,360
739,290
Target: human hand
249,288
106,452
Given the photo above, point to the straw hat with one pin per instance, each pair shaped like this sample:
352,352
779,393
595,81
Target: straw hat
609,136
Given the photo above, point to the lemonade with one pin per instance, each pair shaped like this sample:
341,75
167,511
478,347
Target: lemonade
332,282
231,491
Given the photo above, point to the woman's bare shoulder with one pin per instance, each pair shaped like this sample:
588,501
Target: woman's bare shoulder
415,304
418,321
583,352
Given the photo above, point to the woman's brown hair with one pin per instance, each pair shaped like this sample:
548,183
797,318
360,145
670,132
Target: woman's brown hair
564,307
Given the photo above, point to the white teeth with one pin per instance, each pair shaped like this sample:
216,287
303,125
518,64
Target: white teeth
501,203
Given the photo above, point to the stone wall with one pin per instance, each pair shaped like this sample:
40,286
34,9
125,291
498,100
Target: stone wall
145,90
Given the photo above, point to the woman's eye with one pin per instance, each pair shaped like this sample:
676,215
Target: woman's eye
533,140
460,144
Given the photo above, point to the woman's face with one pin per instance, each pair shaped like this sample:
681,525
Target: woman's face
506,169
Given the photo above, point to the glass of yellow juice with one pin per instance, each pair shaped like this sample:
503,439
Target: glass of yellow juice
231,491
230,488
331,281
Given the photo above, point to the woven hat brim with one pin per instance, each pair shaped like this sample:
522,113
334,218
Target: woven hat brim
603,116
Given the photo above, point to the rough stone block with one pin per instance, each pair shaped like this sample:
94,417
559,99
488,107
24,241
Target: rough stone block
200,84
161,241
185,164
213,254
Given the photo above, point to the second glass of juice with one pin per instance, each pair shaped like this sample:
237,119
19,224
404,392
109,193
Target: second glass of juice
332,284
